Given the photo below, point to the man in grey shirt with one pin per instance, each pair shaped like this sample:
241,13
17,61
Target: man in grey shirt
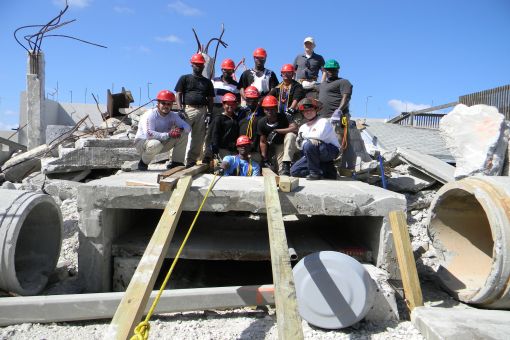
334,92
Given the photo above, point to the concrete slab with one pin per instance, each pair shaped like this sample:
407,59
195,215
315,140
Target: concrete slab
103,143
108,209
430,165
462,322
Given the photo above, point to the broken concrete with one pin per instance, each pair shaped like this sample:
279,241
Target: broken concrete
108,208
429,165
103,143
436,323
20,166
405,179
477,136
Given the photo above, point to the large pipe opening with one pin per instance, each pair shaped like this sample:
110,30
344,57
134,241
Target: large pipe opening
38,246
461,232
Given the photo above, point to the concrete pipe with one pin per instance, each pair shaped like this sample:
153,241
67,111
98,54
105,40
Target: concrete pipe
30,240
470,228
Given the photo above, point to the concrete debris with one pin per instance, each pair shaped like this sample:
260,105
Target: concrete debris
114,125
477,136
55,134
429,165
8,185
18,167
409,181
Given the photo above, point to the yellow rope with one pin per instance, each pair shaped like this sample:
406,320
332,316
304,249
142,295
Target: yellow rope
142,329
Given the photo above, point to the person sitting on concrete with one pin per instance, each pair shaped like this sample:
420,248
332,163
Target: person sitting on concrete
240,164
195,95
289,92
160,130
225,128
319,143
277,136
248,117
260,77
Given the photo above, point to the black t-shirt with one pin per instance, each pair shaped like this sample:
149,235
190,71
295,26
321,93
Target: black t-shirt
330,95
196,89
308,68
263,127
224,132
244,116
296,92
269,81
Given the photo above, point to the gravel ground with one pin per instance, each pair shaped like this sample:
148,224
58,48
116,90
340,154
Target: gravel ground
231,324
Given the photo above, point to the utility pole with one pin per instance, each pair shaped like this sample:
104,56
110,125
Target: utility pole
366,107
86,89
148,90
71,91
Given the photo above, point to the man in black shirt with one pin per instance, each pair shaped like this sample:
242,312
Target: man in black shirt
277,136
260,77
248,117
308,65
225,128
195,95
335,93
289,92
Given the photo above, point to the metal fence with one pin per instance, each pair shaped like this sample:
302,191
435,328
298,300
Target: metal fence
422,120
498,97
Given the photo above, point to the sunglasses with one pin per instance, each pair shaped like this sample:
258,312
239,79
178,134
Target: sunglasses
306,107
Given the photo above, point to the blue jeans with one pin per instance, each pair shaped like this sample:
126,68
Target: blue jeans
314,160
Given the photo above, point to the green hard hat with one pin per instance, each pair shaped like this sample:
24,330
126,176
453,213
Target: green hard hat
331,63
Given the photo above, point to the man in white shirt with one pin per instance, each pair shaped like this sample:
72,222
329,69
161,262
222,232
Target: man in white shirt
318,141
160,130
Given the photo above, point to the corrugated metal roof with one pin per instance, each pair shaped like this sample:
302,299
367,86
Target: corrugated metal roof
391,136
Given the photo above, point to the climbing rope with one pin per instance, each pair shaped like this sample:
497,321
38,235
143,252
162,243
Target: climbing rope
142,329
345,124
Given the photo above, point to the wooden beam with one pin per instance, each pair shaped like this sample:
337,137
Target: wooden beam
288,184
267,172
287,316
137,294
167,184
170,172
75,307
134,183
406,262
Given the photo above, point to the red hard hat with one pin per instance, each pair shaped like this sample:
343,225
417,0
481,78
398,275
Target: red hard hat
228,64
260,53
287,68
166,95
269,101
243,140
229,97
197,59
251,92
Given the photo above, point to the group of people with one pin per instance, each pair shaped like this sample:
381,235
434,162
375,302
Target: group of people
294,126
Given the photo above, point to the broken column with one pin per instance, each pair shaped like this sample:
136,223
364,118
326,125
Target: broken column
35,100
30,239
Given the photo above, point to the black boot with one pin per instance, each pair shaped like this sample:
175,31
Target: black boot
172,165
285,169
142,166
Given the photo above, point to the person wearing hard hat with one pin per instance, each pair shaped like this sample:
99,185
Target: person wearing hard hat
224,84
277,136
225,128
195,95
241,164
308,65
334,92
318,142
160,130
260,77
248,117
289,92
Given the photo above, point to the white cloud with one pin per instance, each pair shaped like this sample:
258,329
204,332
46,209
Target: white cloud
73,3
402,106
170,38
10,113
184,9
123,10
139,49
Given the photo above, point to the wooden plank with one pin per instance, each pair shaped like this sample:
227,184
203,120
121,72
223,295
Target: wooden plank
410,280
167,184
137,294
267,172
75,307
170,172
288,184
287,315
134,183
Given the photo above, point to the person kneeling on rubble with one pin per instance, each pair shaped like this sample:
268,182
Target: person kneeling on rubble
160,130
318,141
240,164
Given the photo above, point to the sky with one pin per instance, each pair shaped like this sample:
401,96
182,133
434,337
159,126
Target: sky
399,55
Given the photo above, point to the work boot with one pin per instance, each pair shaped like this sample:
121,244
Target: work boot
285,169
142,166
190,165
313,177
172,165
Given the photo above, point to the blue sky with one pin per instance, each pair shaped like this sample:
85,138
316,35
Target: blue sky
398,54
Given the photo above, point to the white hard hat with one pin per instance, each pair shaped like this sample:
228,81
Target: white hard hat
310,39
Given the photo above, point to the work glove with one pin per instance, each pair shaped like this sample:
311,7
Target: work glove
270,138
175,133
219,172
315,142
336,117
215,149
290,114
299,141
182,114
266,163
208,118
